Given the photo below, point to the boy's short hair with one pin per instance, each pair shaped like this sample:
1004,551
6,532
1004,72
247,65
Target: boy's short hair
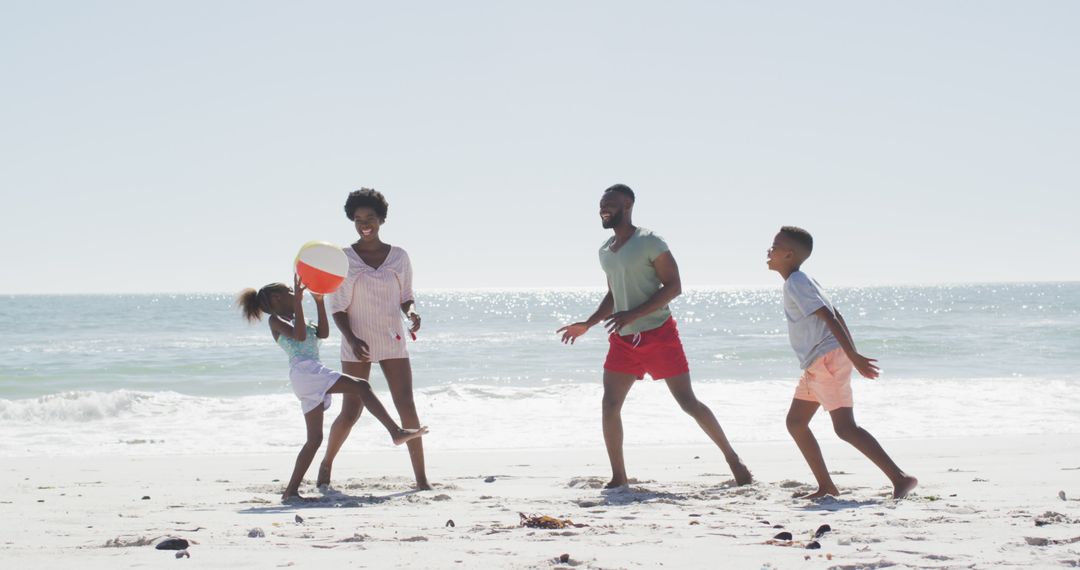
799,236
621,189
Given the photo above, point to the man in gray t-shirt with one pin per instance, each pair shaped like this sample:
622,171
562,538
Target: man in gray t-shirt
642,279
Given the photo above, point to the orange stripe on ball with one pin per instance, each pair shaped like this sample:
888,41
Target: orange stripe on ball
318,280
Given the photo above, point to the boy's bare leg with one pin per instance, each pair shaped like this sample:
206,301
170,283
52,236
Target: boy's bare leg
351,408
346,385
616,387
680,388
314,422
844,423
798,425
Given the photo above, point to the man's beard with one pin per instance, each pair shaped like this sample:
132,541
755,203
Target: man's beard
613,221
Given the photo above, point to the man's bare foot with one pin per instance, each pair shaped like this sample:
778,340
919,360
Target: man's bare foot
404,434
423,486
324,476
822,493
741,472
904,486
616,483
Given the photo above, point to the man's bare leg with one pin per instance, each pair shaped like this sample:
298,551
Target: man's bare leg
684,394
616,387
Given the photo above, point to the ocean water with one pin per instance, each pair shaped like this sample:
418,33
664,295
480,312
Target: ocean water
164,374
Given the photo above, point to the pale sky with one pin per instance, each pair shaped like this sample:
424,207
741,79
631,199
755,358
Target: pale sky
194,146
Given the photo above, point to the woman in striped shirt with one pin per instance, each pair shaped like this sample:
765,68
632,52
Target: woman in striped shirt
367,310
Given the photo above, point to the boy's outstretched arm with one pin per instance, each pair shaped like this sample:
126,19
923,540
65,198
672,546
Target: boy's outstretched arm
836,325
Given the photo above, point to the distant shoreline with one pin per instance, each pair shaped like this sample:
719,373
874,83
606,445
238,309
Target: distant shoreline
577,289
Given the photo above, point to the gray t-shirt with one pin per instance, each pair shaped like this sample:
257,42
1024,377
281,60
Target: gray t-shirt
809,335
632,276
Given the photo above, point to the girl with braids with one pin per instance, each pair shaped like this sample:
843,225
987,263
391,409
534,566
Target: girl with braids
311,381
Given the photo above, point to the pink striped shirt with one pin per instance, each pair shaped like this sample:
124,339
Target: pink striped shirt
372,299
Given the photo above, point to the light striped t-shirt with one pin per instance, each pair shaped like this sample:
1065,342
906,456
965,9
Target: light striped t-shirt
372,298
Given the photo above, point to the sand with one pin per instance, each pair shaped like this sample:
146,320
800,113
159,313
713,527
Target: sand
982,503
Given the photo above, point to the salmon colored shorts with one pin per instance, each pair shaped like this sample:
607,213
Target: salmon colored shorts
827,381
657,352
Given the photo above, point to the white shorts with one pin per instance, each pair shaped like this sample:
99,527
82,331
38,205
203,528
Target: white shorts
310,382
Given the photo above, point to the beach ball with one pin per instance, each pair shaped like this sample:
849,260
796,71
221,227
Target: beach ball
321,266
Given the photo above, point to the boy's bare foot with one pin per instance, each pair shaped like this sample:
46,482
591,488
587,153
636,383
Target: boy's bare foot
324,476
822,493
904,486
741,472
404,435
616,483
294,497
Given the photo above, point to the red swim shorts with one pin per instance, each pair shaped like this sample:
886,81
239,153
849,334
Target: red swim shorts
657,352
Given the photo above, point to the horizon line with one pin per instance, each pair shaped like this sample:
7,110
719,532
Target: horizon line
576,288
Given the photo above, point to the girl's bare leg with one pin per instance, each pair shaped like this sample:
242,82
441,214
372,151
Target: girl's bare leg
361,388
351,408
398,372
314,421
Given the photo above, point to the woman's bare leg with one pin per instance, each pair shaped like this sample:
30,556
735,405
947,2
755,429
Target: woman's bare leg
361,388
351,408
398,372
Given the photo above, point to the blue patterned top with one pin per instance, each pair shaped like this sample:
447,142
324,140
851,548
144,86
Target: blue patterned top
297,350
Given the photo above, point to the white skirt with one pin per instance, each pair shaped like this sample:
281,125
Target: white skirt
310,382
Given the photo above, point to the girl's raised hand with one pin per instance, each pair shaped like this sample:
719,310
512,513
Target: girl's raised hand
298,285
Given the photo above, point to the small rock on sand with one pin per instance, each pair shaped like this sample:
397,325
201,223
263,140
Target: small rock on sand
820,532
813,545
564,558
299,519
146,497
183,554
450,523
172,544
489,479
783,536
256,533
1061,495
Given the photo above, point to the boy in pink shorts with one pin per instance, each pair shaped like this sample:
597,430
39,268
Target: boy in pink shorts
827,354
